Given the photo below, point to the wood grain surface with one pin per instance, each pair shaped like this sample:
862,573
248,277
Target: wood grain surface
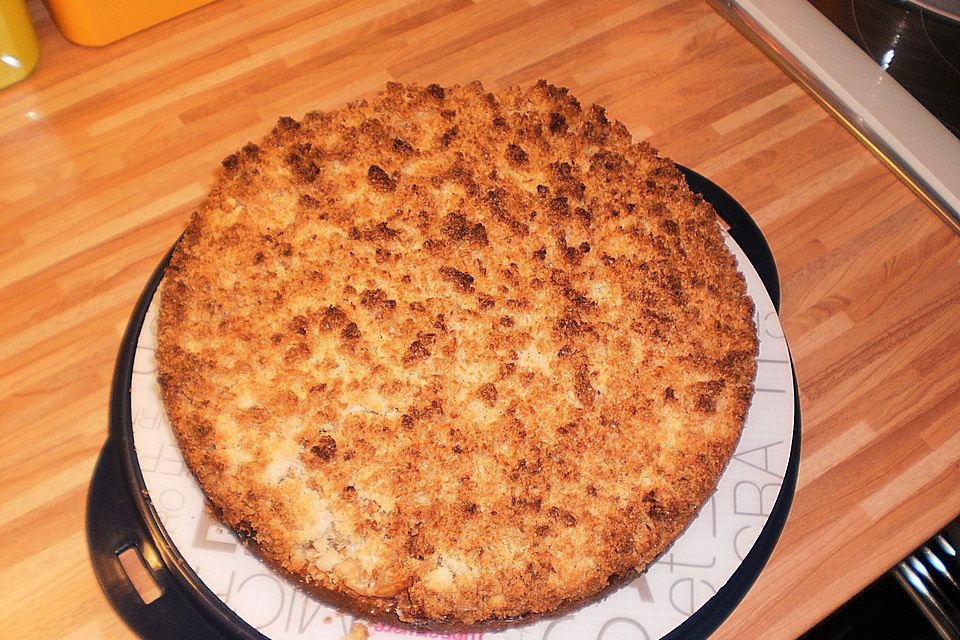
106,150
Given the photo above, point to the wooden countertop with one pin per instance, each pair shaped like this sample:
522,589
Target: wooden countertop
106,150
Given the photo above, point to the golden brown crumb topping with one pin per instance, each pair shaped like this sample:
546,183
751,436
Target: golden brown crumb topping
458,355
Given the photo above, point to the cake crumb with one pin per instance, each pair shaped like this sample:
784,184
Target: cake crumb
358,631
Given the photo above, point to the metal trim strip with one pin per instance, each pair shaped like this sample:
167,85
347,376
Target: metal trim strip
751,29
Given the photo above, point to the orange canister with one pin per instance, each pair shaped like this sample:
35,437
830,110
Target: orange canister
95,22
18,42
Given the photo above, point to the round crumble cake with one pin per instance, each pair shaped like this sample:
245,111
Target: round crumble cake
453,357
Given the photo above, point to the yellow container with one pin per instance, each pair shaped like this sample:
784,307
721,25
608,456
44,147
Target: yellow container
18,42
95,22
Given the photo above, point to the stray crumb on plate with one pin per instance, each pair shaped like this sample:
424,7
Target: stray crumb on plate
358,631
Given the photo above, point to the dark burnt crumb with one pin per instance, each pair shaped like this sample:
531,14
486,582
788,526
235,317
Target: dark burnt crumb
570,325
457,227
351,332
299,324
332,317
471,508
435,91
626,547
202,429
543,190
599,114
584,215
285,124
516,155
373,129
608,160
562,515
448,113
478,234
402,146
540,254
463,281
308,202
304,169
584,247
348,491
506,321
380,179
591,490
324,448
558,124
532,468
231,162
707,404
578,298
541,530
488,393
423,412
560,206
668,394
485,301
376,299
418,350
497,207
582,387
428,337
520,502
656,509
383,255
250,149
457,449
500,123
245,530
447,138
595,133
379,231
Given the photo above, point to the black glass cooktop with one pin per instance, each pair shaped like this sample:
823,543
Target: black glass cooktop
919,47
